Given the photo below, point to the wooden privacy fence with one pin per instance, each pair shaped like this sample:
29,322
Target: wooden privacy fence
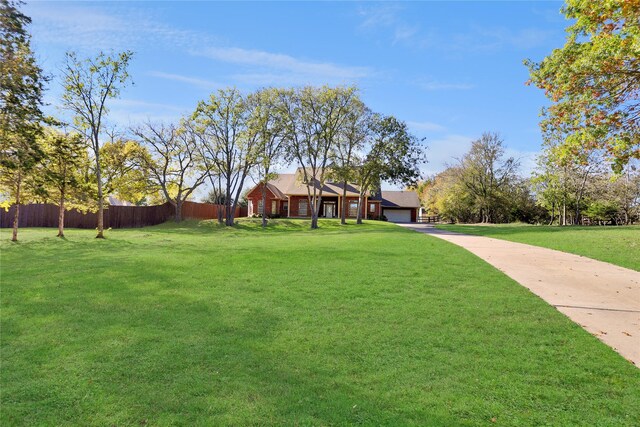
46,215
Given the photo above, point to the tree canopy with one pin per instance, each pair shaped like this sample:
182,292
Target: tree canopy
593,81
21,89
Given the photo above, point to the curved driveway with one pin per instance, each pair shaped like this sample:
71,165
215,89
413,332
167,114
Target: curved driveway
602,298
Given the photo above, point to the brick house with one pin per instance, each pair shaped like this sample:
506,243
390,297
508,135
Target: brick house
287,197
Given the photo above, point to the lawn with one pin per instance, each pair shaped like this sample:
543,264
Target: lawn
617,245
373,324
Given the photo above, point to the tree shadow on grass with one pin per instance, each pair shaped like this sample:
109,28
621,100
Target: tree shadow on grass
188,360
253,227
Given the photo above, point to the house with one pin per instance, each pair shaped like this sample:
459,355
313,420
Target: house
287,197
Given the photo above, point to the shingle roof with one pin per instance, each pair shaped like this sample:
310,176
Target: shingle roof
400,199
290,184
279,185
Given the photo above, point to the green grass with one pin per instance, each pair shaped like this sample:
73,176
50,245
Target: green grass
372,325
617,245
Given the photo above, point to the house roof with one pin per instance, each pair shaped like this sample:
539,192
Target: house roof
291,184
113,201
279,185
400,199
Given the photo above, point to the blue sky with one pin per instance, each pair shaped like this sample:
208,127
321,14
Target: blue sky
451,70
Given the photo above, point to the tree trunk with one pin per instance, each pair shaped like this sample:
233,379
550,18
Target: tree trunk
359,214
178,207
264,205
219,202
61,215
315,211
227,203
14,235
220,209
100,199
343,208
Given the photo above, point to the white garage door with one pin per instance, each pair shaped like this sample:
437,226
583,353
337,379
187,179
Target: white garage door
398,215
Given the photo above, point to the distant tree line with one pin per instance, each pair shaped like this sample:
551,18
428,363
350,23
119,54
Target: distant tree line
487,186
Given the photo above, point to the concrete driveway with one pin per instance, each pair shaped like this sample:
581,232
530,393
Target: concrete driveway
602,298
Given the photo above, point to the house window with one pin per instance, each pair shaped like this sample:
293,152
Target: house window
260,207
285,208
273,207
353,208
372,207
302,207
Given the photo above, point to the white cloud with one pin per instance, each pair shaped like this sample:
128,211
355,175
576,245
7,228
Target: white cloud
91,27
126,112
195,81
379,16
387,18
282,62
119,26
135,103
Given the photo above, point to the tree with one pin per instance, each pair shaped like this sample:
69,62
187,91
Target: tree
123,170
230,148
88,85
313,119
594,80
392,154
59,176
21,88
625,191
448,197
265,124
562,179
214,196
548,184
487,174
352,138
174,161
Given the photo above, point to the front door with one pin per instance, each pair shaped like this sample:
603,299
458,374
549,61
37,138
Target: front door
329,210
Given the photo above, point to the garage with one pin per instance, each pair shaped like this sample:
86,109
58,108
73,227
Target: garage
397,215
400,206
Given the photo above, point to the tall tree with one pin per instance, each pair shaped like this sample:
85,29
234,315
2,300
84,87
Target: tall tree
266,126
88,85
487,174
626,193
59,176
352,138
594,79
550,186
174,161
448,197
223,123
21,88
313,120
392,154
